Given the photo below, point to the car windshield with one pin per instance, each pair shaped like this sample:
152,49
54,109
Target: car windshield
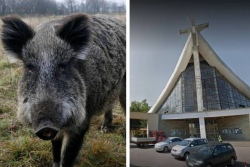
185,142
206,149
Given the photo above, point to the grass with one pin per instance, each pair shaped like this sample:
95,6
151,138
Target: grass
19,147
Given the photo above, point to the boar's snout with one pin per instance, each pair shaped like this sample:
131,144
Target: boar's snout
46,130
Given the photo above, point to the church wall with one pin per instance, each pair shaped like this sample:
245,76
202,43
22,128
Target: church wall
234,128
175,128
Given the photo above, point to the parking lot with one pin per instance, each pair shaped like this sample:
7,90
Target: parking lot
148,157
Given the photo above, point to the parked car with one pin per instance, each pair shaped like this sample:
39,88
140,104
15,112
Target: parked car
187,146
166,145
213,155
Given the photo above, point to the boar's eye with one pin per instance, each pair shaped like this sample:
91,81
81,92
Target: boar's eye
62,66
30,68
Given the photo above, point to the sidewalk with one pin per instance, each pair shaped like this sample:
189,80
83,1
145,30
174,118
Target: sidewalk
239,143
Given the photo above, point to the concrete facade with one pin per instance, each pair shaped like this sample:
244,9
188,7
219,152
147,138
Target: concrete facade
225,119
179,126
229,122
232,122
152,119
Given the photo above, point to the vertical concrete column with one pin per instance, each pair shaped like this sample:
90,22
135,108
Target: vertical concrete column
202,127
197,70
194,32
197,73
153,121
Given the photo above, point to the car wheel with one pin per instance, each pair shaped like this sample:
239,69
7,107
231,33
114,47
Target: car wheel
208,165
186,154
232,161
166,149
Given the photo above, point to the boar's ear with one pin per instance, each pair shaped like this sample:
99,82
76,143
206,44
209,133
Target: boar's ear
15,34
76,32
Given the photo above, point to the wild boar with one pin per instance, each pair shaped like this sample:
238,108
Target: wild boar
73,68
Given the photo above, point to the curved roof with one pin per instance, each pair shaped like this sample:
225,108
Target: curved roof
212,59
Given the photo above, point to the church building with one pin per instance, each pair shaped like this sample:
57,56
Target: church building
203,97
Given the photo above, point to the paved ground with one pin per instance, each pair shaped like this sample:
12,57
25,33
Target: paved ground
148,157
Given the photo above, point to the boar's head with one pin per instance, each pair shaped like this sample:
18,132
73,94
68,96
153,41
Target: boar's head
51,91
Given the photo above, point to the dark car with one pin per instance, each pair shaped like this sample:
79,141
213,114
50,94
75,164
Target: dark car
213,155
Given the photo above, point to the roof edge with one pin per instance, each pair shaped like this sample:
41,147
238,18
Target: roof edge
214,60
180,67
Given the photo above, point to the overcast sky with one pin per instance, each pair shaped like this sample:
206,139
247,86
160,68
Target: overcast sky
156,45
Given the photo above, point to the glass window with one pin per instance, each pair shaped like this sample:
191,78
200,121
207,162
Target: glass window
194,143
224,148
207,150
173,102
178,139
205,141
185,143
237,131
217,150
229,147
218,93
200,142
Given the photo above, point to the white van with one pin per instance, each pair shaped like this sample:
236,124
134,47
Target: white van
187,146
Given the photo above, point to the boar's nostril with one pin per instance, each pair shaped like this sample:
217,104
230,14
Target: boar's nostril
47,133
25,100
46,130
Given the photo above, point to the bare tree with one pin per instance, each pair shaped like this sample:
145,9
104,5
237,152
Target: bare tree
45,7
71,5
92,6
104,6
2,7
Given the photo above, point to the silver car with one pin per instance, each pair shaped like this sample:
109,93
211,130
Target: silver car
167,144
187,146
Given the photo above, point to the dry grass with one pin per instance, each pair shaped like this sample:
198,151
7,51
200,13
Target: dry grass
19,147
